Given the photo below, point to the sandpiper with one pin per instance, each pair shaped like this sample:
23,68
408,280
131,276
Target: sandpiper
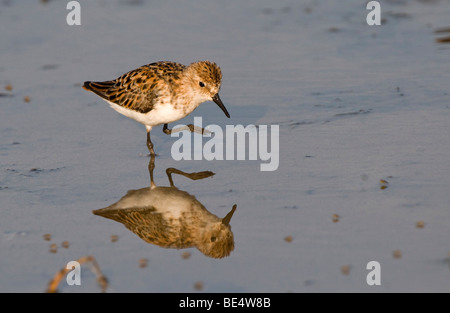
161,92
172,218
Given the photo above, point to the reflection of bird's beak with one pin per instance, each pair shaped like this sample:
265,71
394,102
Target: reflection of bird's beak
217,100
226,220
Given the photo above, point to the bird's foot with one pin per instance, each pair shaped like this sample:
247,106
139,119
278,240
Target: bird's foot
192,128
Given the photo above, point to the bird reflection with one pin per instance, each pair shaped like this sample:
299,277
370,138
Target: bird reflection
172,218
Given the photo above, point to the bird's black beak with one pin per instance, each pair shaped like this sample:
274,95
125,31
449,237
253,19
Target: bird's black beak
226,220
217,100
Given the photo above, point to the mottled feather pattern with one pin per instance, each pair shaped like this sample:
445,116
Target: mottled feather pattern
150,226
210,71
161,92
137,89
161,226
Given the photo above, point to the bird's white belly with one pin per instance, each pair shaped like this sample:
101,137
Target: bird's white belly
171,202
161,114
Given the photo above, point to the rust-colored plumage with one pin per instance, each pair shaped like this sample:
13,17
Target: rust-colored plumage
161,92
172,218
139,89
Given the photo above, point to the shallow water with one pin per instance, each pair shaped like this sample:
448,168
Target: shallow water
363,145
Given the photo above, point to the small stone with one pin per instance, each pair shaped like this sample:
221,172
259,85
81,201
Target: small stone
198,285
397,254
383,184
335,218
143,262
345,269
185,255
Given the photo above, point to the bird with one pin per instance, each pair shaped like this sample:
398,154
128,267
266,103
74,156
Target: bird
161,92
172,218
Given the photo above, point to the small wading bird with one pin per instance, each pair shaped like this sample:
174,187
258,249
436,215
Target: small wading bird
172,218
161,93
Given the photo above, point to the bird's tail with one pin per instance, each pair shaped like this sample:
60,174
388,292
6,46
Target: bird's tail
100,88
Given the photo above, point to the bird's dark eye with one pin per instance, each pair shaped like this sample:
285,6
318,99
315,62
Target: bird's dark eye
213,239
201,84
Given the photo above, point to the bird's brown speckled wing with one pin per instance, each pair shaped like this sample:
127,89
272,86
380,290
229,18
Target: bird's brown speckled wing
148,224
138,89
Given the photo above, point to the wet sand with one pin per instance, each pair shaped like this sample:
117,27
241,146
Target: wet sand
364,145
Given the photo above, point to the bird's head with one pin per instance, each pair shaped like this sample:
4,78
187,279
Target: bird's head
205,78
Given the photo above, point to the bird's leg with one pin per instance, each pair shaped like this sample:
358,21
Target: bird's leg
193,176
195,129
192,128
149,143
166,129
151,167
